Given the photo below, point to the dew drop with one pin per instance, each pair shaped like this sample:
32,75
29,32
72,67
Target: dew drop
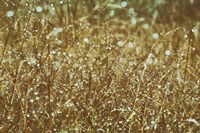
155,35
112,13
122,60
10,13
130,45
167,52
86,40
120,43
145,26
59,42
131,10
124,3
133,20
39,9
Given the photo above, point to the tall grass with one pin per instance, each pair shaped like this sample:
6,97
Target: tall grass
63,71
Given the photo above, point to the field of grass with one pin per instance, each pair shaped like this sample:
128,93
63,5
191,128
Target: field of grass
98,67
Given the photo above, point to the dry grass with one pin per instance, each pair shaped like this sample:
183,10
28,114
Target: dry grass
97,75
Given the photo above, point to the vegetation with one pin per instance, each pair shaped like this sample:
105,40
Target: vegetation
99,66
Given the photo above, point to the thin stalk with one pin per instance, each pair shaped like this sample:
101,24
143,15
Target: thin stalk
187,57
49,91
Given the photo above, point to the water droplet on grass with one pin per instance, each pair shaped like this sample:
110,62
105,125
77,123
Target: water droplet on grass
39,9
10,13
167,52
134,20
112,13
131,10
124,4
155,35
59,42
32,61
60,29
150,61
86,40
194,121
120,43
52,10
130,45
185,36
8,117
145,26
131,63
122,60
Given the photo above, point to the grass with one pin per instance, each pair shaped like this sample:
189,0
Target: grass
97,74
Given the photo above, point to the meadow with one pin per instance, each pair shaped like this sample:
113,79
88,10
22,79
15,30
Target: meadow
104,66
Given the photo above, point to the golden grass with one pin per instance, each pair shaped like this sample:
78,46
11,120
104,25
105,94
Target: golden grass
78,79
